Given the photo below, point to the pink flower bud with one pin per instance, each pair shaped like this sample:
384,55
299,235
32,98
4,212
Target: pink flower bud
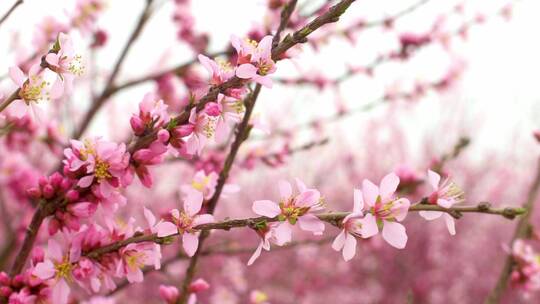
43,181
5,291
537,135
54,226
66,184
38,255
34,193
100,39
212,109
4,278
18,281
72,195
198,286
82,210
168,293
48,191
182,131
137,125
56,179
163,135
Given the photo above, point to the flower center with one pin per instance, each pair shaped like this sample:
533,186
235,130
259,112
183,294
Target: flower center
63,269
76,66
102,170
200,185
184,223
264,68
32,90
135,260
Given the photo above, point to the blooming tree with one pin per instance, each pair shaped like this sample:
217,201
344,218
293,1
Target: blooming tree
202,178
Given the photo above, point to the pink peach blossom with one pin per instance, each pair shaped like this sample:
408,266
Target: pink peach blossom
385,211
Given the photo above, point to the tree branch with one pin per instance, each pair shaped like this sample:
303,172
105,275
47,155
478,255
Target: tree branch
522,230
333,218
107,91
11,9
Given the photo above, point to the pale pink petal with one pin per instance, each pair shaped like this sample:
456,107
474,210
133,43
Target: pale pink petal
193,202
266,208
54,250
190,242
52,59
175,213
206,62
401,208
266,81
57,89
349,250
165,229
450,224
285,189
44,270
370,192
203,219
369,226
300,185
18,108
308,198
283,233
265,47
85,181
339,241
60,292
444,203
430,215
135,275
246,71
395,234
150,218
17,75
256,254
311,223
388,185
358,201
434,179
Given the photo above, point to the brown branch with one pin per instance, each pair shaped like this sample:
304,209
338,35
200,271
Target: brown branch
333,218
11,9
11,98
241,134
177,70
522,230
106,93
29,239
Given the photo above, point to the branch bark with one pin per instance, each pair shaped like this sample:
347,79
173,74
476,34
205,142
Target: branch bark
521,231
333,218
11,9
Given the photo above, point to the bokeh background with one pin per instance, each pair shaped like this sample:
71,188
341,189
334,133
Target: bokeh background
479,84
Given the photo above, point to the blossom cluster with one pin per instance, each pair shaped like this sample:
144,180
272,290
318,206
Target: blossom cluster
375,208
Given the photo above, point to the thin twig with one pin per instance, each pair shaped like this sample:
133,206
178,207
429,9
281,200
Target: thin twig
522,230
106,93
333,218
11,9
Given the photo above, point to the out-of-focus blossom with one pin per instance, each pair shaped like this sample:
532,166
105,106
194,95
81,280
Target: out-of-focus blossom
444,194
38,87
65,62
